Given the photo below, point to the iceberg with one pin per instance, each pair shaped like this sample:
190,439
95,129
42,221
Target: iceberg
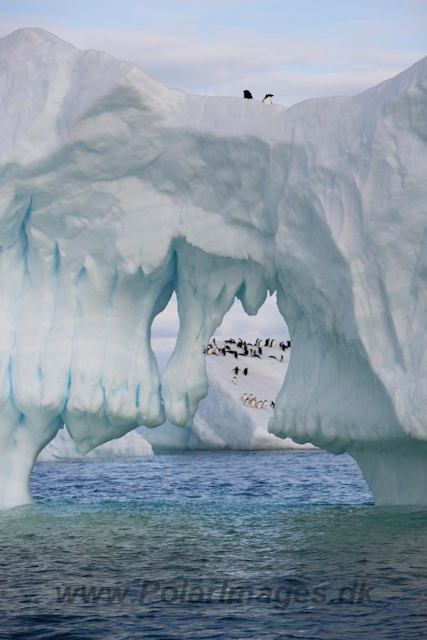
63,448
117,191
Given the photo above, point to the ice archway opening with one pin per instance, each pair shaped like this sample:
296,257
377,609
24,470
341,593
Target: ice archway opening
236,323
222,422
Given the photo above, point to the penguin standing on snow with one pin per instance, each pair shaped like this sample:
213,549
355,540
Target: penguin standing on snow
247,94
267,99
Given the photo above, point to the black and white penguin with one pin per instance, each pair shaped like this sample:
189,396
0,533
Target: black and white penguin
272,404
234,381
247,94
245,371
267,99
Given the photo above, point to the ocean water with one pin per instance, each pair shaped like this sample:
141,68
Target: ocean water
213,546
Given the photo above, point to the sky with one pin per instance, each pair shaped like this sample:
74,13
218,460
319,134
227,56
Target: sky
295,49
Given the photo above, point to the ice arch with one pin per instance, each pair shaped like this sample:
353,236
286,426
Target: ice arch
116,191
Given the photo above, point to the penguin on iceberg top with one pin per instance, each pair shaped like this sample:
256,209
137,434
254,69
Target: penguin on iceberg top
267,99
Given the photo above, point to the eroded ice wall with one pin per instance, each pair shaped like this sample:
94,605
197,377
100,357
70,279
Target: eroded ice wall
115,191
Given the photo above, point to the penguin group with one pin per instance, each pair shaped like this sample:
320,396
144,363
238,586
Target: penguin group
242,348
250,401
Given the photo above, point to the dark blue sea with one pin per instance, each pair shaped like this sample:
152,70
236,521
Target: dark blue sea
213,546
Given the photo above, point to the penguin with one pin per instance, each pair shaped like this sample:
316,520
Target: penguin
247,94
236,370
253,403
267,99
247,402
234,381
264,404
259,404
273,344
245,371
272,404
245,397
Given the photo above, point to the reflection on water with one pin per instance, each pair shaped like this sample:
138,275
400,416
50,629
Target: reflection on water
180,534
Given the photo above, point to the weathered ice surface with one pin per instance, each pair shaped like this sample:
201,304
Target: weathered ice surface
115,191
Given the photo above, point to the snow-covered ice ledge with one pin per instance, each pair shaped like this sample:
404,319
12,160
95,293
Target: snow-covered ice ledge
116,190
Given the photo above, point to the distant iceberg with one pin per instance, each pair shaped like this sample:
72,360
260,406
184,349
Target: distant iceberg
63,448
